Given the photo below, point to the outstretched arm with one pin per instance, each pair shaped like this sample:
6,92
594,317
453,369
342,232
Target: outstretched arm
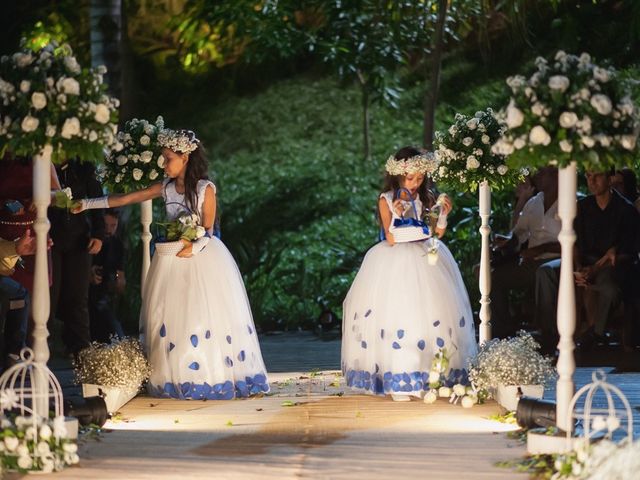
120,200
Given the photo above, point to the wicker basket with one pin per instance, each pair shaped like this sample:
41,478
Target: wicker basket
170,249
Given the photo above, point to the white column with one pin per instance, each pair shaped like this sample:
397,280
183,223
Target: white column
146,216
41,300
484,193
566,295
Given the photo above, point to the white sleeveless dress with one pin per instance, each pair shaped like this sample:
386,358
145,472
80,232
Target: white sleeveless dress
399,312
198,330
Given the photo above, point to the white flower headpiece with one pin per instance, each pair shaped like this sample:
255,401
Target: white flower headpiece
425,163
182,141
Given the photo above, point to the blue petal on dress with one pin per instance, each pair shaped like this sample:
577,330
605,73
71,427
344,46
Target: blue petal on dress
198,329
399,312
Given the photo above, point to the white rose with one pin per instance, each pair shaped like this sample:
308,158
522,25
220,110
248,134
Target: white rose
601,74
69,86
453,130
22,59
25,462
519,143
568,119
478,152
200,231
502,169
153,174
160,161
628,141
102,113
93,136
558,82
148,129
587,141
584,125
472,162
137,174
434,377
118,178
68,192
601,103
29,123
146,156
485,139
602,140
70,128
145,140
6,87
29,434
537,109
514,116
539,136
61,99
472,123
118,146
467,141
626,106
468,401
584,58
561,56
502,147
444,392
11,443
72,64
38,100
70,447
121,160
430,397
566,146
43,448
459,389
25,85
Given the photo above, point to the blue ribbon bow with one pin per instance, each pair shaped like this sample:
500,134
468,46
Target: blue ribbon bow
411,222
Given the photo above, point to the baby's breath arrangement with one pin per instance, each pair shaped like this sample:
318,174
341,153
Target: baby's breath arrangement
120,363
511,361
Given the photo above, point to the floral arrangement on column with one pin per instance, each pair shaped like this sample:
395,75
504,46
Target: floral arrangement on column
50,103
569,108
140,163
466,155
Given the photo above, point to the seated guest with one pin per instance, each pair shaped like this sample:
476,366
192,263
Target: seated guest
537,226
606,228
624,181
107,280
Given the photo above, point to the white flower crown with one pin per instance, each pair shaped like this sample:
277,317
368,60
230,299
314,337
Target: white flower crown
425,163
182,141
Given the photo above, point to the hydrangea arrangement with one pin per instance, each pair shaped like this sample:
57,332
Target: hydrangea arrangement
47,449
120,363
568,109
511,361
466,157
51,104
140,163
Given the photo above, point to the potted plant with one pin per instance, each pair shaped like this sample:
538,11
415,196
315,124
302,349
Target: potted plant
113,370
509,368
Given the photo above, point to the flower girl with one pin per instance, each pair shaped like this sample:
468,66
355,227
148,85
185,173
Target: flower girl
198,329
402,309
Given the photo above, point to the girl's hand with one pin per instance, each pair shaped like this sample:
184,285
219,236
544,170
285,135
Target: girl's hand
390,240
447,205
186,251
398,207
78,207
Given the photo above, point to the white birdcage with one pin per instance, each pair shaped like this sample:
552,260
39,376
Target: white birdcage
602,419
29,391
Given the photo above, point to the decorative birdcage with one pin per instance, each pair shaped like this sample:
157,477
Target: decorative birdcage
599,419
29,393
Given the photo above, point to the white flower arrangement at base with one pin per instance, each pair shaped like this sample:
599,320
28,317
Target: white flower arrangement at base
458,392
569,109
511,362
120,365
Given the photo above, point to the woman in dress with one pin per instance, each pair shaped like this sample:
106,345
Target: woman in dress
198,329
403,309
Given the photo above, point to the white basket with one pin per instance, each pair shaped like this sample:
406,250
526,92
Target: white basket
114,397
509,395
170,249
407,234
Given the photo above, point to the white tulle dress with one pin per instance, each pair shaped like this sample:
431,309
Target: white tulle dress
197,325
399,312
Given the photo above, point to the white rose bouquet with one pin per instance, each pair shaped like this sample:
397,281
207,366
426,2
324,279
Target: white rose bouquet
569,109
185,227
140,162
48,100
437,388
43,447
511,361
466,156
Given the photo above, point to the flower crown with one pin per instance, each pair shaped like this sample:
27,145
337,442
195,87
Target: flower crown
425,163
181,141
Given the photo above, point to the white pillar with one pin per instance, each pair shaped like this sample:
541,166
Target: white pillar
484,193
566,296
146,216
41,300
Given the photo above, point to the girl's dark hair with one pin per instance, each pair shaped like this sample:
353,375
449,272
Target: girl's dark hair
629,183
425,191
197,169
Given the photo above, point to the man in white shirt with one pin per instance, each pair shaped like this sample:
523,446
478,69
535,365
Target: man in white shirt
538,226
